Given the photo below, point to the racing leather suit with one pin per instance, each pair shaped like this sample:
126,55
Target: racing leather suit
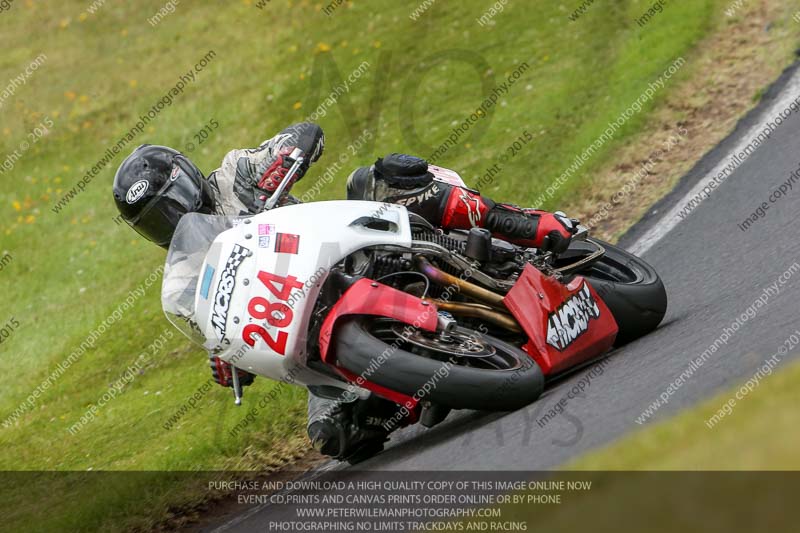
410,181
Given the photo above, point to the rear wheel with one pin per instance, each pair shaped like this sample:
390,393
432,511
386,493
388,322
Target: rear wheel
630,287
461,370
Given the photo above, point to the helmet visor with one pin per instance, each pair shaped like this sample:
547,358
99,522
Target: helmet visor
155,223
181,194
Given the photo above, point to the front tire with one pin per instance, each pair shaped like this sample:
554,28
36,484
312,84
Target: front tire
490,375
631,289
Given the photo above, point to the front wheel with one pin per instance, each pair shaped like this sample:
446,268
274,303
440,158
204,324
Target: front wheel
461,370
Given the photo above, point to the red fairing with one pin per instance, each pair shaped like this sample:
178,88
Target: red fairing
566,324
367,297
464,209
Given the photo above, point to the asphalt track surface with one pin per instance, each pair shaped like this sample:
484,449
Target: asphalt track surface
713,272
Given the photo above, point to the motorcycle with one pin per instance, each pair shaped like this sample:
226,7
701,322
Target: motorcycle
370,298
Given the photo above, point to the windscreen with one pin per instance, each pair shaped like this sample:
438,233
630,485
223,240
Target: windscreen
182,273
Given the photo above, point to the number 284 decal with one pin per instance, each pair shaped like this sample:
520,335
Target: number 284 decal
276,314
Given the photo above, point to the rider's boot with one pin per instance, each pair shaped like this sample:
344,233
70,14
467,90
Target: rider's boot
346,428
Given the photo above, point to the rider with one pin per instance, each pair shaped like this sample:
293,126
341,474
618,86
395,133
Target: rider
156,185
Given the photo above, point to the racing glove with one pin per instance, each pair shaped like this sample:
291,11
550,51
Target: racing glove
221,371
306,136
276,172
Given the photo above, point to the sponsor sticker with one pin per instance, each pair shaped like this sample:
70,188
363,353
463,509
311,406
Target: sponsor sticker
571,319
447,176
208,275
263,241
136,191
225,286
266,229
287,243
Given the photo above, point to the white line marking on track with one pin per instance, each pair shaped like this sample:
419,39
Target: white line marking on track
671,219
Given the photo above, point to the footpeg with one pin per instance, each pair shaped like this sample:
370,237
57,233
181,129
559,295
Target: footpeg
433,414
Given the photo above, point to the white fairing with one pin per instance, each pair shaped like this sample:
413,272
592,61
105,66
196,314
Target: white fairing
230,290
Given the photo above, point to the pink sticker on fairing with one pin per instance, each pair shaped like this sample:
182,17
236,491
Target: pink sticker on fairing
446,175
266,229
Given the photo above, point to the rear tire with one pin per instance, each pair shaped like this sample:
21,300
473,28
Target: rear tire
631,289
515,382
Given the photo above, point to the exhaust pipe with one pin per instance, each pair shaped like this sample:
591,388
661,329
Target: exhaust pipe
493,312
470,289
484,312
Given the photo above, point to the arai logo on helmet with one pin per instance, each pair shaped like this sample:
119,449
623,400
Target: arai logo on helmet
227,282
136,192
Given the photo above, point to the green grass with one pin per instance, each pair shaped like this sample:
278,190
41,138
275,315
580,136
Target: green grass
272,68
761,433
680,474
